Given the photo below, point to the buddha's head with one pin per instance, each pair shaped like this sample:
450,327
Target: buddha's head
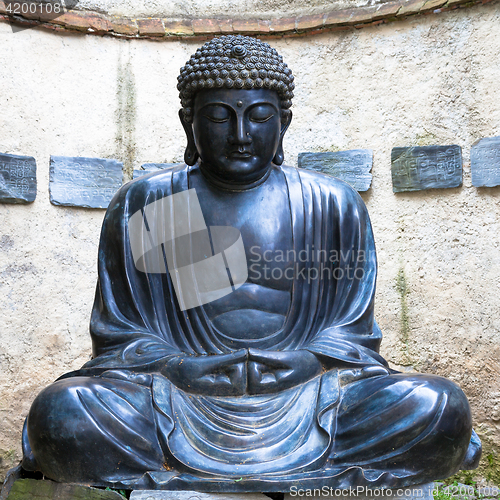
236,95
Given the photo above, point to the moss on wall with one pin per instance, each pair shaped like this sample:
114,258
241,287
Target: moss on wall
489,466
7,459
404,326
126,115
426,139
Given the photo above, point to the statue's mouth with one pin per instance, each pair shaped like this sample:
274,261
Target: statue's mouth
240,154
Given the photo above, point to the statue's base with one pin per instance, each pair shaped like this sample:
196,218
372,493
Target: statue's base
26,489
421,492
193,495
328,482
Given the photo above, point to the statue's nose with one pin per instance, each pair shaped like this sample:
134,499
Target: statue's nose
241,135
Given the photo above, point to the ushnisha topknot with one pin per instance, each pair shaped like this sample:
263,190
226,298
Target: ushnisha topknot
239,62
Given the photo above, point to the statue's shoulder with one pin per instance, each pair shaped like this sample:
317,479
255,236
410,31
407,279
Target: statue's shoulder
157,179
326,183
147,188
160,173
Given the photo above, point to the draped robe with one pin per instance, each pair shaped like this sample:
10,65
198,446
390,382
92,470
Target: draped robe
255,441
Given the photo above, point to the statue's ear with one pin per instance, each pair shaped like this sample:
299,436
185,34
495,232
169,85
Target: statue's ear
285,123
191,154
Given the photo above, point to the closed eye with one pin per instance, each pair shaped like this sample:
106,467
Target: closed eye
216,119
261,120
217,113
261,113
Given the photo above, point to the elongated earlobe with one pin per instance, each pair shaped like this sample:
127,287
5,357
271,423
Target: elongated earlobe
279,157
191,154
285,123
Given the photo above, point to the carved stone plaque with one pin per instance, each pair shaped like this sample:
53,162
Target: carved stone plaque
485,162
352,166
426,167
148,168
17,179
84,182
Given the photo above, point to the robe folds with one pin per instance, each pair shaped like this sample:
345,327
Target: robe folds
310,432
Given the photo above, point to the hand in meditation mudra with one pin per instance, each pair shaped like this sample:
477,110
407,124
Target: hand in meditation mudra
264,372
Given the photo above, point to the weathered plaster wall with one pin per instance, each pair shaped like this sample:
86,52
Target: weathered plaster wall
426,80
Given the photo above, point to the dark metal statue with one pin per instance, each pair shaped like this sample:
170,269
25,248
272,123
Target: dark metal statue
233,335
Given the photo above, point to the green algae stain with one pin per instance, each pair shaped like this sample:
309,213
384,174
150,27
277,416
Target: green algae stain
489,466
426,139
404,327
126,116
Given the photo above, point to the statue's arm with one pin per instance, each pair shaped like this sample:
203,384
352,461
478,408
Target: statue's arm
347,334
133,324
126,332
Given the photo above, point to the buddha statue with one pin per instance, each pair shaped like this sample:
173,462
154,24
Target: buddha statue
234,341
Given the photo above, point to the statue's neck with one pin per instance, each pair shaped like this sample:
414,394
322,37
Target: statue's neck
230,185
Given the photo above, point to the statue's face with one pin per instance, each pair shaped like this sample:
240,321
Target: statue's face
237,132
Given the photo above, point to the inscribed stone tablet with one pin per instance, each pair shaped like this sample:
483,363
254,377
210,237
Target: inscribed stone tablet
84,182
426,167
351,166
148,168
485,162
17,179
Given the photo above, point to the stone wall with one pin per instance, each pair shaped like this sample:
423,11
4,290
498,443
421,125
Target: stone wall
421,81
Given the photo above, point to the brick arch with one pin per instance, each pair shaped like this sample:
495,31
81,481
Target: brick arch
95,23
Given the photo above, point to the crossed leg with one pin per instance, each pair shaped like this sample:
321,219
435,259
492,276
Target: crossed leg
93,429
414,423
